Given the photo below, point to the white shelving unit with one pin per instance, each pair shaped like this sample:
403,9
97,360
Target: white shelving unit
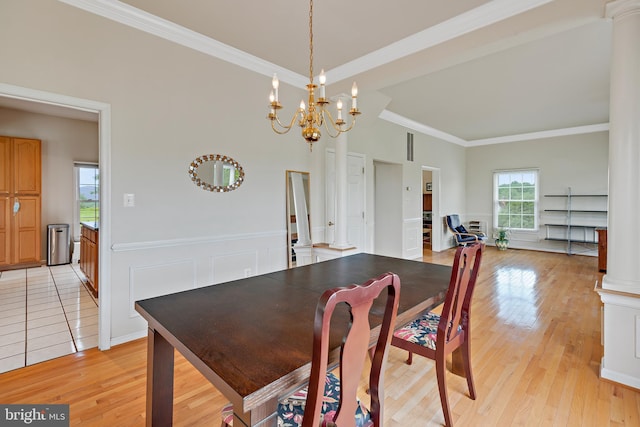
478,226
583,213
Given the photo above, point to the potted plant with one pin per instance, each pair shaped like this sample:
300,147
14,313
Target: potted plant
501,234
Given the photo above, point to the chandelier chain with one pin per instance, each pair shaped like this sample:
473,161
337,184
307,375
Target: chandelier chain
313,116
311,41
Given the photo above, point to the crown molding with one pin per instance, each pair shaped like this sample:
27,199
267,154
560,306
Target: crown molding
480,17
143,21
620,8
428,130
578,130
419,127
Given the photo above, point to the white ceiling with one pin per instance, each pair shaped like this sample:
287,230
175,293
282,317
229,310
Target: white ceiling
472,72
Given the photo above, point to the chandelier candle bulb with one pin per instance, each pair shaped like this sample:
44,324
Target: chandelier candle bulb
339,106
354,96
323,80
275,83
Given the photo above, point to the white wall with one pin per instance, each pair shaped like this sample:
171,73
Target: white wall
169,105
578,161
63,142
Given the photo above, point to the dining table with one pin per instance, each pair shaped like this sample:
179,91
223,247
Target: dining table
252,338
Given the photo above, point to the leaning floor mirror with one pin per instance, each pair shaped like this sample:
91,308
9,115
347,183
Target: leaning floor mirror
298,218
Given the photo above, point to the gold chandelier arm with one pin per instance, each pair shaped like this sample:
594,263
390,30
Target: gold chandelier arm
329,119
286,128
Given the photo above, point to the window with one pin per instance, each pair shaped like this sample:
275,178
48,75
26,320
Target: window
515,199
87,195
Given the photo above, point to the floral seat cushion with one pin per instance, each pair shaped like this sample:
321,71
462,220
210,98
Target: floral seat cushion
422,331
291,409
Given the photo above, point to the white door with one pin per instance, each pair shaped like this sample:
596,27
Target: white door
355,199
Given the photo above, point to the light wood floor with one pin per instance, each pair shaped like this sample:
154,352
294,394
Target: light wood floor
535,354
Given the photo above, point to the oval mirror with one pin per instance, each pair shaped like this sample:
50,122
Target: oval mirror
217,173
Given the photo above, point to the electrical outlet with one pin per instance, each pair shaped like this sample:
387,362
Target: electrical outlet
247,272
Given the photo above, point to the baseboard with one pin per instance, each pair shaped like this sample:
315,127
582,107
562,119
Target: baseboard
618,377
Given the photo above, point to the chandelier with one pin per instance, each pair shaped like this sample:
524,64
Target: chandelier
311,119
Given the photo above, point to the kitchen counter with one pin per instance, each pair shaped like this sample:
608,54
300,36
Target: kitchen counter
93,225
89,237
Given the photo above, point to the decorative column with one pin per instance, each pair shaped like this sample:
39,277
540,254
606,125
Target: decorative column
620,291
340,236
623,231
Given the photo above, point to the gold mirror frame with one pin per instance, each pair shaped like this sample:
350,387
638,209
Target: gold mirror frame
292,220
213,186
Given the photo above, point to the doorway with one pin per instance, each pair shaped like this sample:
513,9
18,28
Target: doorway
356,229
387,209
66,106
431,207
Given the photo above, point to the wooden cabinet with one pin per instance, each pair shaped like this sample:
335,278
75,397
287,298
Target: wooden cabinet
602,249
89,255
427,201
20,206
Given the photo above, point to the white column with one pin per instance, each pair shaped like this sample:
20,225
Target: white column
621,285
623,231
340,236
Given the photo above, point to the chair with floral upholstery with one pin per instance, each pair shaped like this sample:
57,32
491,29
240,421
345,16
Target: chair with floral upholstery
435,336
331,399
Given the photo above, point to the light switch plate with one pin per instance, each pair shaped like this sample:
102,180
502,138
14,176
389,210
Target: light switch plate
129,200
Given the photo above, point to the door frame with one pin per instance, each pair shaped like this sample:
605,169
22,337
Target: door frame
103,111
436,222
330,193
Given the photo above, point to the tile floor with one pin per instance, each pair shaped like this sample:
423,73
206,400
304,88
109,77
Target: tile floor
45,312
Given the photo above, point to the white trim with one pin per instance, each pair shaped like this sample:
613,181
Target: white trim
480,17
156,244
419,127
608,296
618,377
104,136
144,21
129,337
620,8
578,130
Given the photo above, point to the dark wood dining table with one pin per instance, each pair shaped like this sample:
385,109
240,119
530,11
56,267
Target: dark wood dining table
252,338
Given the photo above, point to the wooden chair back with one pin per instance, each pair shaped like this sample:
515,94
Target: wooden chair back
354,349
455,318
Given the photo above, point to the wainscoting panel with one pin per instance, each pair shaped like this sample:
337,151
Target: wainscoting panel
412,244
234,266
142,270
160,279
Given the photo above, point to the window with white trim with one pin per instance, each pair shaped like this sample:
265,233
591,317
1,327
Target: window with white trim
87,178
515,199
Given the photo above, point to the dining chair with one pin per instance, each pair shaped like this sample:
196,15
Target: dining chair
330,399
435,336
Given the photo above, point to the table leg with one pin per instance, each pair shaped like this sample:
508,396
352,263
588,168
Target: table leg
159,380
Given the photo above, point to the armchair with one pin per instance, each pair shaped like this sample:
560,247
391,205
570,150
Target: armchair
463,237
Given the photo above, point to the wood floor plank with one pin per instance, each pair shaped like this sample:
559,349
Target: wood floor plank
535,354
